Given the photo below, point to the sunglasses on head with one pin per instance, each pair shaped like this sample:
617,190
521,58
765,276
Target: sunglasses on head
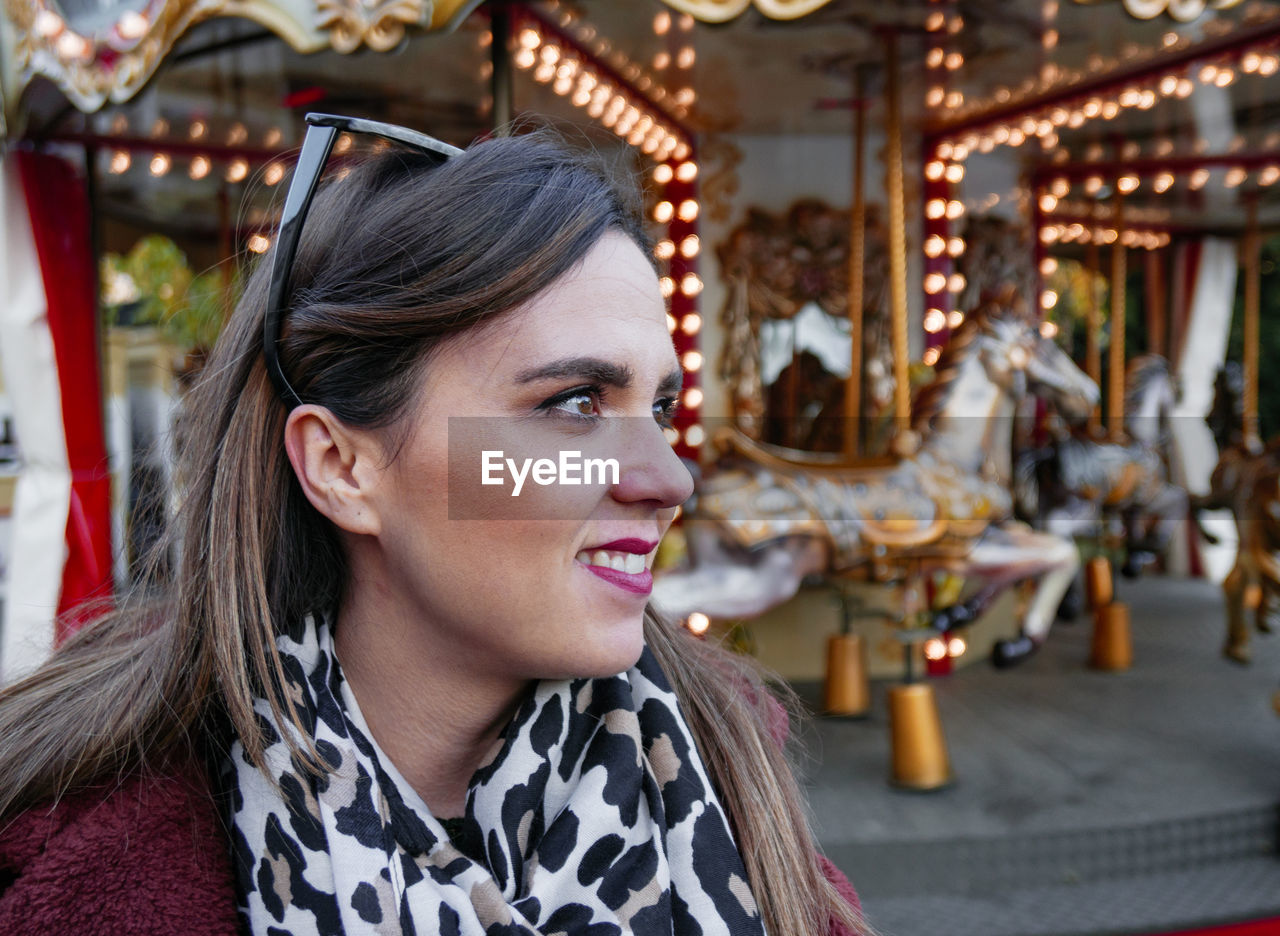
322,131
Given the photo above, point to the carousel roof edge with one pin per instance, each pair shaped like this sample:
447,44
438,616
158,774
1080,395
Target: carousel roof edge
92,71
721,11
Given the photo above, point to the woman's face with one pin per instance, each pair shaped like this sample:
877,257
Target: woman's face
550,582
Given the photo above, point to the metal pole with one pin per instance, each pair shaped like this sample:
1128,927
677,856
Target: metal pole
857,251
1115,379
1093,332
897,233
501,83
1252,286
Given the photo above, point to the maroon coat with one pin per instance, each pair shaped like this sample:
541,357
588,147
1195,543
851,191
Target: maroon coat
146,856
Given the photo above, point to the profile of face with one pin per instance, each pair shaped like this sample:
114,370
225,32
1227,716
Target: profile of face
551,583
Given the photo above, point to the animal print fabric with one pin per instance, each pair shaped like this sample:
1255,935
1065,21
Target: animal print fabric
593,816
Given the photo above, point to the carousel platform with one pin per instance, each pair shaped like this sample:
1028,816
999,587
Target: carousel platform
1084,802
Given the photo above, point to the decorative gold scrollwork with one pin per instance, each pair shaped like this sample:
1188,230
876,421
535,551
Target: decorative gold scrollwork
721,11
1184,11
379,24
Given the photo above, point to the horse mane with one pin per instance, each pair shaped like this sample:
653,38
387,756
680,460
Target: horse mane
932,397
1141,371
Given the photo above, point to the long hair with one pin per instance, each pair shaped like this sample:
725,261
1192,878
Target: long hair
396,257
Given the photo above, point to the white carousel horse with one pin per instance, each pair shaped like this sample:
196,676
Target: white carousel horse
760,525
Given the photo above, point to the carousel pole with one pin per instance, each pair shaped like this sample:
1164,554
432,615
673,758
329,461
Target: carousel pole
1252,284
500,80
847,691
1112,647
897,232
1115,359
1093,332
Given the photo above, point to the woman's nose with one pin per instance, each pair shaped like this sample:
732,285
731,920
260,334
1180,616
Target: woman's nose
651,470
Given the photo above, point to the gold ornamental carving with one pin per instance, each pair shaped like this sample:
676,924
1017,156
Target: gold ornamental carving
721,11
1183,11
113,64
379,25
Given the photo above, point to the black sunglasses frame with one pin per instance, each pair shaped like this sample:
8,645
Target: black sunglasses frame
317,145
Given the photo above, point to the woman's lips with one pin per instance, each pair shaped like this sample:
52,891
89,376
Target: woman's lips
623,563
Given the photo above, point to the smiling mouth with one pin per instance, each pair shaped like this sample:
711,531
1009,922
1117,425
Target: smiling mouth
625,568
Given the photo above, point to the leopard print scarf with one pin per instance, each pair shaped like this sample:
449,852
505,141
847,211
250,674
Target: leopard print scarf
593,816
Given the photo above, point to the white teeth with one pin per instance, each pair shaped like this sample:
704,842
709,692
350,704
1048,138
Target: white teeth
628,562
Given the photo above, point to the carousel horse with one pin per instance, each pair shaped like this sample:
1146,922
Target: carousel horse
1072,485
770,517
1246,481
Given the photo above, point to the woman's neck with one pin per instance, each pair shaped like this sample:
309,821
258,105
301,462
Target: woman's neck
436,722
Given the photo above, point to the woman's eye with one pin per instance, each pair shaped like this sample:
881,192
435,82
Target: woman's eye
578,403
664,410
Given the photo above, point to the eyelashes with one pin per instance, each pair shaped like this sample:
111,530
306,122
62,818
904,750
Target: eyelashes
582,404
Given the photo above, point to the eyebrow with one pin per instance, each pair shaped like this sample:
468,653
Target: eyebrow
597,370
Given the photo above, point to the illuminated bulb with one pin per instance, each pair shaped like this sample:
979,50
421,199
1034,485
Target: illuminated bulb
694,435
663,211
1048,202
961,151
1048,299
934,321
661,23
955,209
1093,185
690,246
1225,77
935,96
954,173
530,39
679,151
935,21
197,130
1198,179
663,174
1092,108
69,45
525,58
544,73
238,169
688,210
200,167
1109,236
953,99
698,623
1235,175
691,324
956,282
672,436
1208,74
935,246
955,24
931,355
935,283
671,324
1060,187
692,398
953,61
935,57
258,244
935,649
1184,88
160,164
691,284
1127,184
691,360
956,646
944,150
955,318
132,25
1129,97
47,24
933,170
955,246
686,57
667,286
1168,85
1048,266
1000,134
687,171
237,135
1050,38
1269,65
1269,175
1017,137
1048,235
120,162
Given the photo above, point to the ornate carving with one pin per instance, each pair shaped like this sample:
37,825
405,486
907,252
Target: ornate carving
379,24
1184,11
721,11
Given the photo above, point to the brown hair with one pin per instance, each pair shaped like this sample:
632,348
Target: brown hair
393,259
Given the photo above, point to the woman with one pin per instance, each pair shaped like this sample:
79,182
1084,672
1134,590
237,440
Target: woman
428,703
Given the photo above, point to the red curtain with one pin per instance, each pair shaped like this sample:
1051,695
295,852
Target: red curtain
59,208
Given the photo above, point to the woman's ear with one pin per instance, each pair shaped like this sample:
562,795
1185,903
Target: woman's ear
338,467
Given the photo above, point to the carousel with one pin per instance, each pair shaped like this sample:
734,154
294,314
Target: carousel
974,303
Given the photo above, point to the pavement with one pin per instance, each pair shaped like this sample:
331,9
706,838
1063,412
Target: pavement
1136,802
